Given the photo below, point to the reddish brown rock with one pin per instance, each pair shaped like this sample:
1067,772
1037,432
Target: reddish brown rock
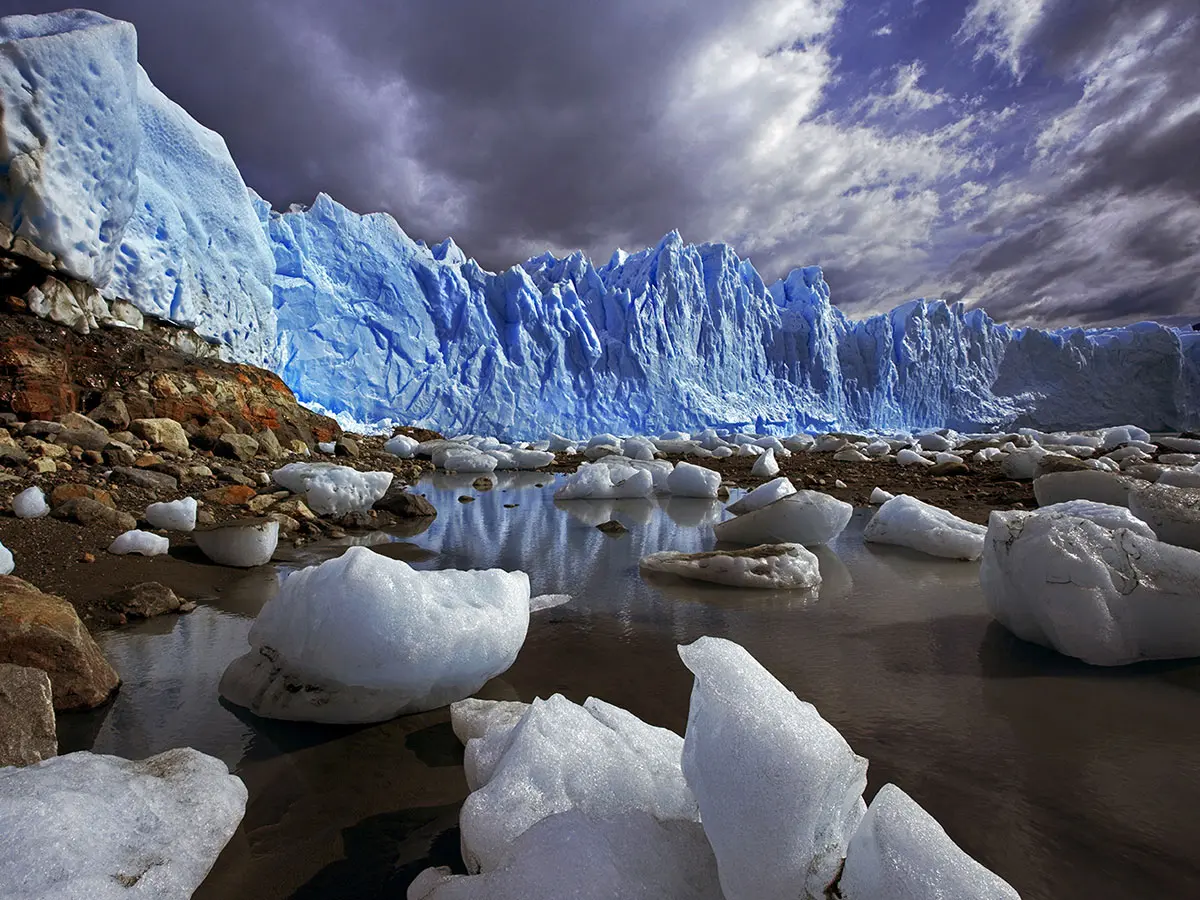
65,492
43,632
230,495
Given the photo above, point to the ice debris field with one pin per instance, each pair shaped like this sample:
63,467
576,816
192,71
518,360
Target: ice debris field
134,197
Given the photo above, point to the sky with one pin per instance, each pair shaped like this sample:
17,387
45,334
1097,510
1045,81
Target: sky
1040,158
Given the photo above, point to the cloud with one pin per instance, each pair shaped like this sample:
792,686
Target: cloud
1001,29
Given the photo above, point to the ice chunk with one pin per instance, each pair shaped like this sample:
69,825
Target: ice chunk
332,490
879,497
364,638
1107,597
1187,478
908,522
596,758
548,601
474,718
402,446
571,855
90,827
779,790
243,543
1115,437
900,852
528,460
464,459
761,496
908,457
178,515
141,542
1173,512
1099,487
1104,514
6,561
779,566
804,517
601,481
765,466
688,480
1022,465
30,504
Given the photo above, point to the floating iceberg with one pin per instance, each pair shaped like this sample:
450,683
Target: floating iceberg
332,490
90,827
1107,597
909,522
364,638
779,790
803,517
778,566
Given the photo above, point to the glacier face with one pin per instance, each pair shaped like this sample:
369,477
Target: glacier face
375,325
121,188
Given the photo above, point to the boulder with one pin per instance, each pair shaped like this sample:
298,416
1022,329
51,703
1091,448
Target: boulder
27,734
111,412
268,444
88,512
144,601
65,492
160,433
144,478
399,502
236,446
43,631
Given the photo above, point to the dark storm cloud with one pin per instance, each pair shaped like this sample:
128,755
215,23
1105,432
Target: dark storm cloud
1120,196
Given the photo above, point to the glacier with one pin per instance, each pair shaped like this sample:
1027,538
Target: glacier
106,180
374,326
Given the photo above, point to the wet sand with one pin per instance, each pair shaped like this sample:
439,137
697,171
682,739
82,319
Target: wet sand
1067,780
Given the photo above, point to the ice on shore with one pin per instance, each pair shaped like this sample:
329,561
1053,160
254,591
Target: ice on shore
364,638
177,515
908,522
599,481
143,543
1106,596
689,480
243,543
765,466
803,517
778,566
30,504
333,490
6,561
90,827
402,446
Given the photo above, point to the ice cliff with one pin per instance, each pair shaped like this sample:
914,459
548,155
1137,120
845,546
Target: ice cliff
104,179
376,325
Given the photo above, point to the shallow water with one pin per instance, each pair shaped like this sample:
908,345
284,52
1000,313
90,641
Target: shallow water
1069,781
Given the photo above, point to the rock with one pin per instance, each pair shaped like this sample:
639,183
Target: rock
465,499
152,481
74,421
299,447
949,467
233,474
1173,512
88,512
144,601
1052,462
295,509
236,446
111,412
483,484
230,495
399,502
11,455
243,543
166,434
147,461
27,734
613,527
44,466
93,457
260,504
346,447
268,444
38,447
118,454
65,492
40,428
43,631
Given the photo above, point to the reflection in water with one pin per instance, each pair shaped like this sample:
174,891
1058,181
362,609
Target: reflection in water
1070,781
